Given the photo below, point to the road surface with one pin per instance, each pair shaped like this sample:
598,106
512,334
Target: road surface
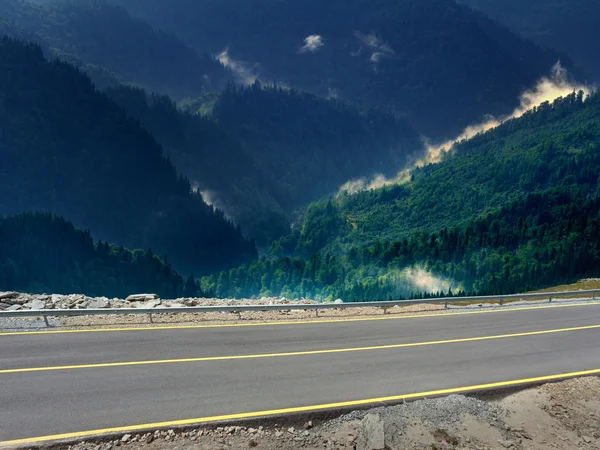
60,384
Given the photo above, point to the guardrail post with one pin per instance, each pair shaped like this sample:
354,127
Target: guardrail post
46,321
550,299
239,315
594,296
446,305
501,301
150,317
385,310
316,312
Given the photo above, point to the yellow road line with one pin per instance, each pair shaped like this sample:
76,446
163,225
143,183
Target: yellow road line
298,353
296,322
299,409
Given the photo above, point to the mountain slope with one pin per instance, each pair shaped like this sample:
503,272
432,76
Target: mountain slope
566,25
438,63
66,149
514,209
259,153
113,47
43,253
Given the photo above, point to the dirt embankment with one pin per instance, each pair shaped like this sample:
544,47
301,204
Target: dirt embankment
563,415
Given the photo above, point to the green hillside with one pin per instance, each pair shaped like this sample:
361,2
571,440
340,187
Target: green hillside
43,253
67,149
511,210
260,153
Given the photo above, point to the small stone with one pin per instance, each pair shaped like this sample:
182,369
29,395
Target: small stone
586,439
126,438
252,443
291,430
278,434
306,433
308,425
506,444
149,438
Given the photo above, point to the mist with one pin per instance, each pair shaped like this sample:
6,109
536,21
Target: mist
547,89
242,71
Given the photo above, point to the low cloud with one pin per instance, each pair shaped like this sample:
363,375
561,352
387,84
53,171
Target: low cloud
245,73
547,89
379,49
312,44
421,280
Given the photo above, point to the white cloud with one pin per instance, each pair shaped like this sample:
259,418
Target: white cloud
379,49
312,44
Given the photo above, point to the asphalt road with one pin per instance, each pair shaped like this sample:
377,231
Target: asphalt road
48,388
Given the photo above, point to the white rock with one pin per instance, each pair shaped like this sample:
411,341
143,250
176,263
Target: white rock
38,304
372,436
98,303
338,301
8,295
148,304
14,308
141,297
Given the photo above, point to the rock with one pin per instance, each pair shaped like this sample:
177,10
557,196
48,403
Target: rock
38,304
98,303
146,305
55,298
4,306
372,435
338,301
174,304
8,295
252,443
586,439
126,438
506,444
291,430
308,425
141,297
13,308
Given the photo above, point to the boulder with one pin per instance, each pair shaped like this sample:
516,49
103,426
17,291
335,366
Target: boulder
8,295
98,303
141,297
4,306
338,301
38,304
372,436
148,304
13,308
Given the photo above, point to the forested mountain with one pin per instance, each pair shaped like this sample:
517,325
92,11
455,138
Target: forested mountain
112,47
438,63
69,150
566,25
261,152
512,209
43,253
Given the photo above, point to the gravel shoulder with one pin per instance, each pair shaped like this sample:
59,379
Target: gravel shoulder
560,415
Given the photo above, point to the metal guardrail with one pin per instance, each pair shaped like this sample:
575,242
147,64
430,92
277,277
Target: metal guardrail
238,309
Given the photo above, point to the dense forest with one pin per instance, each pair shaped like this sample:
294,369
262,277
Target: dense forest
261,152
438,63
513,209
568,26
44,253
539,240
67,149
112,47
